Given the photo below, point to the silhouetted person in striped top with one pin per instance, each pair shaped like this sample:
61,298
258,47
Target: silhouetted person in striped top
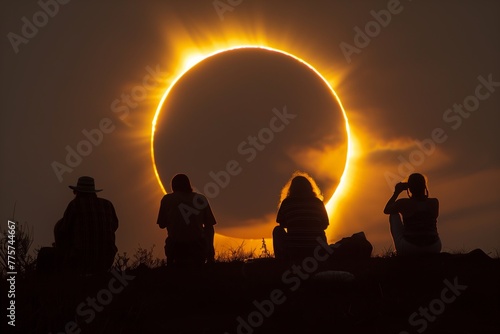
302,218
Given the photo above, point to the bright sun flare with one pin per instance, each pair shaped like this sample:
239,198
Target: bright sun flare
193,58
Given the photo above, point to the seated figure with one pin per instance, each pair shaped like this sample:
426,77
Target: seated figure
302,219
189,221
413,220
85,236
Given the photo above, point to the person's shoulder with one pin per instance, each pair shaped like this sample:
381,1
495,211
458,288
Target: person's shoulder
309,200
402,203
200,199
403,200
71,204
195,194
288,201
318,200
105,201
168,197
283,204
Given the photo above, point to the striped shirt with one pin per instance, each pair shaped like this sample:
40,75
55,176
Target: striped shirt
305,219
88,228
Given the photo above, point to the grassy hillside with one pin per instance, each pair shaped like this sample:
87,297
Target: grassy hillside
440,294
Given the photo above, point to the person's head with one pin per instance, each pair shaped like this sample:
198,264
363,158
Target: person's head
85,187
180,182
417,185
300,185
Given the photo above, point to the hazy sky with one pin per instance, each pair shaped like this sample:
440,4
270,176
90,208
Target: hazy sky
419,81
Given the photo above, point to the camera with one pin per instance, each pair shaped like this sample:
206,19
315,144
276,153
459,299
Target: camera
404,185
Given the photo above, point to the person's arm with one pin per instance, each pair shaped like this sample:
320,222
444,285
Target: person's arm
162,214
209,232
209,216
435,208
63,234
59,234
114,217
209,238
392,206
324,216
115,220
280,219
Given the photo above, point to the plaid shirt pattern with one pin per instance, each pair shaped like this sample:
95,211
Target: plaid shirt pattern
89,224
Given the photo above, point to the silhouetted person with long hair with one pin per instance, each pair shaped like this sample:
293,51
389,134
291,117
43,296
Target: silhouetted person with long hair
416,231
189,221
303,215
85,236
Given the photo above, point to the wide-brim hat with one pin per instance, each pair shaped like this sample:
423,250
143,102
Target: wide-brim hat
85,184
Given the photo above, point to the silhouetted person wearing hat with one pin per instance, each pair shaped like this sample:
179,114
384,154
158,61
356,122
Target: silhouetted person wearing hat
413,220
189,221
86,233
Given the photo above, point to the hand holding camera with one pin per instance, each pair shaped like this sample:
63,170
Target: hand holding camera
401,186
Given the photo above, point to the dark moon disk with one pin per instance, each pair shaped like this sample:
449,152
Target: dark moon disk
239,123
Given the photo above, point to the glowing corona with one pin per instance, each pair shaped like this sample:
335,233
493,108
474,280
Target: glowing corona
194,59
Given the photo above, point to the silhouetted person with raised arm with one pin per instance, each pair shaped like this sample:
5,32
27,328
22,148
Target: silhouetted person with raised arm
416,231
303,215
189,221
85,236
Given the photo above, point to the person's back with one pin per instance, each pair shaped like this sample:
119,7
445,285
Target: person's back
183,221
416,232
303,215
420,220
189,221
86,233
92,223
